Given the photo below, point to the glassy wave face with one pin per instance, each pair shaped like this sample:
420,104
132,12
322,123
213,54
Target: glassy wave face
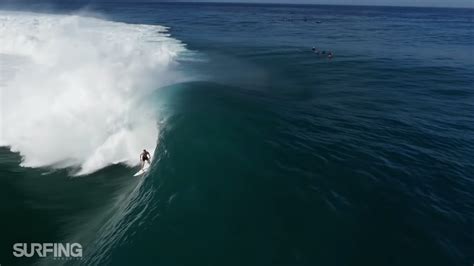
265,152
74,88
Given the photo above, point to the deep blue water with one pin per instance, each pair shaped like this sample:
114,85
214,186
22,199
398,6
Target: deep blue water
274,155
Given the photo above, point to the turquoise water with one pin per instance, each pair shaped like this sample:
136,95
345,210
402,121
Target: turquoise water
268,154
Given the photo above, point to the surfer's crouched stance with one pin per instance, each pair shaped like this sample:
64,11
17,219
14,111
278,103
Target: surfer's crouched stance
145,157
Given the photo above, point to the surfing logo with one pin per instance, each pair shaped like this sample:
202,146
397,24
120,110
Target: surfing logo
57,250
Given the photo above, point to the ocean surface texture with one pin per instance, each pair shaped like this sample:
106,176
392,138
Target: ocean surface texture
264,152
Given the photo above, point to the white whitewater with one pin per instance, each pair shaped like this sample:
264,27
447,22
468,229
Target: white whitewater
74,89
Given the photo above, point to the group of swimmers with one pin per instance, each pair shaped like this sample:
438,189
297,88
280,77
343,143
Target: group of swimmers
323,53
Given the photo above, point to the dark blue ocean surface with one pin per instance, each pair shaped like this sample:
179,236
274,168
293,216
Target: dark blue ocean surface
273,154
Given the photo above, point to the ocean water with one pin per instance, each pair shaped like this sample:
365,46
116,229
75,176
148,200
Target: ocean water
264,153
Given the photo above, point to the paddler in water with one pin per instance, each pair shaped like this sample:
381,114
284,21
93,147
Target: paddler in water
315,50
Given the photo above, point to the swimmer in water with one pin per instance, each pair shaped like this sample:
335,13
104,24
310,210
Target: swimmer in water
315,50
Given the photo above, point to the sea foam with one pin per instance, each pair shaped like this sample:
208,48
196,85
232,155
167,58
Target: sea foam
74,89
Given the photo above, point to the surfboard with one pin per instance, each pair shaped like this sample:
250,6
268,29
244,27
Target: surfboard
145,168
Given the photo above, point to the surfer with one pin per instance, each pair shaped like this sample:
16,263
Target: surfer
145,157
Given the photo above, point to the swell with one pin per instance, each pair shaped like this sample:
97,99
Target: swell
263,184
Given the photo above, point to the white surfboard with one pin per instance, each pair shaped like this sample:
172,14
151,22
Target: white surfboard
145,168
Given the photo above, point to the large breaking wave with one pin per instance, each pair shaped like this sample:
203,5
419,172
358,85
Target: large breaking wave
73,89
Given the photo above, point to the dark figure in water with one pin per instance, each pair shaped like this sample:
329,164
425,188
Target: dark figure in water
330,55
145,157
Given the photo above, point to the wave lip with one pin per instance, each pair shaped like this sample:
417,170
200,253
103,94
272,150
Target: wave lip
75,88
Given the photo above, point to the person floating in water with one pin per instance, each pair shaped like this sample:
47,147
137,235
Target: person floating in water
145,157
329,54
315,50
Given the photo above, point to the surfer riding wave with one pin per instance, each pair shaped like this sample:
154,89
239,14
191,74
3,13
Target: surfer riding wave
145,157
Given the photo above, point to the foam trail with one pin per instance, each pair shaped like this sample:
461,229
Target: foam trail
74,88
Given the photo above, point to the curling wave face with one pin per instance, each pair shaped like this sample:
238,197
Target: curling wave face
73,88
